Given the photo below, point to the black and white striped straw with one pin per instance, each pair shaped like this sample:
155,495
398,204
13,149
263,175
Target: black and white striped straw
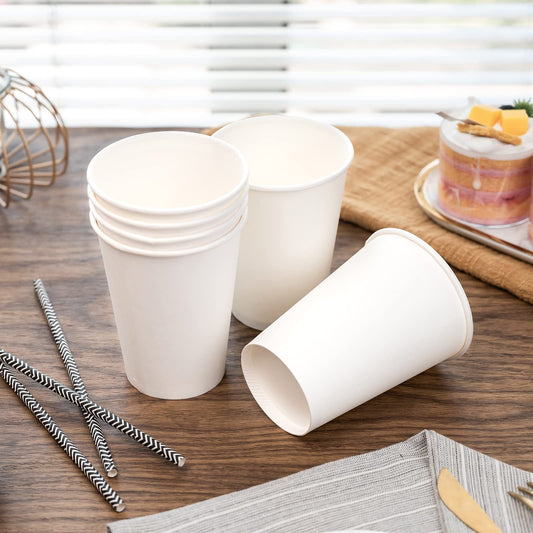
100,484
100,412
75,377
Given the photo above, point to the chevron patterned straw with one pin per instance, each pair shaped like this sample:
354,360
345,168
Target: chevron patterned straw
61,438
100,412
75,377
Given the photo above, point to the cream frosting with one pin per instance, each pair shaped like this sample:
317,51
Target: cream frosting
486,147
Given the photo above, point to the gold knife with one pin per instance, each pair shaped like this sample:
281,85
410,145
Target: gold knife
462,505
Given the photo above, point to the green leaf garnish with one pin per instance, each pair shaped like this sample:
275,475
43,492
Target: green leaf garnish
524,104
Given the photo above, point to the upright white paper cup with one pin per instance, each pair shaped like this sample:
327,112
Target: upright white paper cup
390,312
297,169
172,311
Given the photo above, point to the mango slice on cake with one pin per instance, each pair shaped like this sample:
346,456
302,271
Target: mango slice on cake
485,114
514,121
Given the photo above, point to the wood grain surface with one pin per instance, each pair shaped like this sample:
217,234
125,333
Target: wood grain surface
482,399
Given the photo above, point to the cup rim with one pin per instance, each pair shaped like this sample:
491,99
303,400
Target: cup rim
156,241
164,226
169,210
165,253
294,188
469,323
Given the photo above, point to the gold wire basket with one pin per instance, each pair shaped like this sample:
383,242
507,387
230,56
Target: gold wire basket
33,138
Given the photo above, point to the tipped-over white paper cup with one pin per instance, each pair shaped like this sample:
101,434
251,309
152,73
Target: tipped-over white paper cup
160,228
297,168
172,311
167,176
166,243
390,312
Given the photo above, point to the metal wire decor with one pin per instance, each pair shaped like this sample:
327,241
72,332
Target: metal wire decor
33,138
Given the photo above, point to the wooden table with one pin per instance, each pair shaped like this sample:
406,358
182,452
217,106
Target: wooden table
483,399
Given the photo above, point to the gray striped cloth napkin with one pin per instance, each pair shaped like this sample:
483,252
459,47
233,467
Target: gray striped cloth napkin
389,490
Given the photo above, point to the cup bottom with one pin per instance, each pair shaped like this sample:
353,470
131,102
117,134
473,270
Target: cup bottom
191,393
250,322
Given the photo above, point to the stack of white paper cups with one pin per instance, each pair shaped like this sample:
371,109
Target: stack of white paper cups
168,208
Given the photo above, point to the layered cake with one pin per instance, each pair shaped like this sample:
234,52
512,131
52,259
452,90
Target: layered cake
486,179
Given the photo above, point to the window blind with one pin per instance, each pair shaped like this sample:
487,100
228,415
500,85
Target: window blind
163,63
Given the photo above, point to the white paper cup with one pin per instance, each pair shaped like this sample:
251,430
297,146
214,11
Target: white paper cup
160,229
297,169
166,243
172,311
167,176
390,312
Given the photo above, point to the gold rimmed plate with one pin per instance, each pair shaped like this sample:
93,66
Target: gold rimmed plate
512,240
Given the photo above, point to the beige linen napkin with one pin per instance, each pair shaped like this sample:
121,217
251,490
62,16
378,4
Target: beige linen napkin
379,193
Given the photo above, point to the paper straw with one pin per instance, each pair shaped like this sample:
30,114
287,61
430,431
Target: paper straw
75,377
100,412
100,484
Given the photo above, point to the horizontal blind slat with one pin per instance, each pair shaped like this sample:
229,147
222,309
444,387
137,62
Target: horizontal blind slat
255,80
132,55
412,99
251,37
76,117
261,13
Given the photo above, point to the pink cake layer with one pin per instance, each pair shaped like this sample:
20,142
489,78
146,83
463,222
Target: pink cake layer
482,207
485,174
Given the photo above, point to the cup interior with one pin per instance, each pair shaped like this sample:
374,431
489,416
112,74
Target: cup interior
284,152
169,172
276,390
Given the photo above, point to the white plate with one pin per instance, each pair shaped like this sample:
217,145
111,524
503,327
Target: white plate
511,240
